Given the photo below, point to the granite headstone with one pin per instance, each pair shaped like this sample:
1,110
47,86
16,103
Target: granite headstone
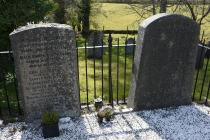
46,69
95,39
129,48
201,52
164,62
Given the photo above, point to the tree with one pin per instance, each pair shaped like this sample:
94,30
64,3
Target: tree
198,10
60,12
15,13
163,6
86,7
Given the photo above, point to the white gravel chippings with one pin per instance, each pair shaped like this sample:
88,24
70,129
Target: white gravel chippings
182,123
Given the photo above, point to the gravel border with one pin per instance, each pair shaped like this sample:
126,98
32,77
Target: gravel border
184,122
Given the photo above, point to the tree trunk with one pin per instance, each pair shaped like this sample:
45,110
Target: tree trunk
60,12
163,6
85,17
153,7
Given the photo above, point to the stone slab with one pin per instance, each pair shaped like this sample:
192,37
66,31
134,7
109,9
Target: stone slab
164,62
46,69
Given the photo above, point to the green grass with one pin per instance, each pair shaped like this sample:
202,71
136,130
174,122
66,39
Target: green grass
202,81
120,16
98,75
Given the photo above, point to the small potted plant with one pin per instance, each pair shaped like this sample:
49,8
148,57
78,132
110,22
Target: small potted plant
98,103
50,124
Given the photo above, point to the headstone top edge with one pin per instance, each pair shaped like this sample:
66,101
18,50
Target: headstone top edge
149,20
154,18
41,25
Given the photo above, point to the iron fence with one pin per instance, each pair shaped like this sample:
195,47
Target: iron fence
108,77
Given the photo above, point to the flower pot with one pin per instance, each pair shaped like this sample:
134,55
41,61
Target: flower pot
108,119
50,130
100,119
98,103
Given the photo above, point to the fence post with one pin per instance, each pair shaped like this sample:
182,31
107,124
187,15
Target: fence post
125,68
86,74
110,70
118,44
78,71
102,71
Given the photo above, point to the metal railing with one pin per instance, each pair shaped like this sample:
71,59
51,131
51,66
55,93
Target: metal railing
108,77
111,51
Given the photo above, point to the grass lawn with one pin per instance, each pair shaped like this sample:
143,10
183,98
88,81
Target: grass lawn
90,62
120,16
202,81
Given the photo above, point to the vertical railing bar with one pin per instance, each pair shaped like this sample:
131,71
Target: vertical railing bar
206,102
102,71
110,70
6,94
86,73
196,79
134,47
78,71
125,67
118,42
0,108
127,32
94,65
1,96
15,83
204,78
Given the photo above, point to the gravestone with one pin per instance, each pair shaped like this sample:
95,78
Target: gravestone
208,51
46,68
201,52
164,62
95,39
129,48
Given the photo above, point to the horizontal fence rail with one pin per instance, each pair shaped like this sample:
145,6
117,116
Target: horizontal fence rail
104,71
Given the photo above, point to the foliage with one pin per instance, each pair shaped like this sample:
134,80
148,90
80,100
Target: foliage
15,13
50,118
73,14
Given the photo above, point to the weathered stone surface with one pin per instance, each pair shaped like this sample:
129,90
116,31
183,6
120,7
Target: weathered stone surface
164,62
200,57
46,69
129,49
95,39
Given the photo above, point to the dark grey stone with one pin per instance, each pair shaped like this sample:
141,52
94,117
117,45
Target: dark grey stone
129,48
46,69
208,50
164,62
95,39
200,57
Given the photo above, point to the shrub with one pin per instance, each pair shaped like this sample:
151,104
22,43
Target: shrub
50,118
